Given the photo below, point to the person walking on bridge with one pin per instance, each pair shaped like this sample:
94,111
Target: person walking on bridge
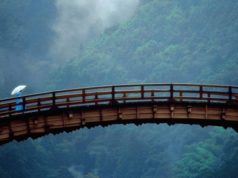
18,92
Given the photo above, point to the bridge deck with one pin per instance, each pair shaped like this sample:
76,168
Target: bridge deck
186,103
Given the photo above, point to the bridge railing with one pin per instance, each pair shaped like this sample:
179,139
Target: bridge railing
120,94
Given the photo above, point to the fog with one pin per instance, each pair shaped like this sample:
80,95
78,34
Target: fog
37,37
79,20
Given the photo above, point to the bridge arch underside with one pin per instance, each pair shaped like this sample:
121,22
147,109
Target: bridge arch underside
22,126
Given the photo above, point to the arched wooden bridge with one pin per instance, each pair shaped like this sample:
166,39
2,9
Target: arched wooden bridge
66,110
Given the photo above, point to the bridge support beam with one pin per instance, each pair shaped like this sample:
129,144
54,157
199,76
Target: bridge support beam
68,119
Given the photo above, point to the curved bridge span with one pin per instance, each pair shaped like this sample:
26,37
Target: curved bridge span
66,110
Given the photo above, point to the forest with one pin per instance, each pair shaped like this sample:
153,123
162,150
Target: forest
51,45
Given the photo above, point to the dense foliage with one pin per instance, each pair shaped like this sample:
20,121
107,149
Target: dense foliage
165,41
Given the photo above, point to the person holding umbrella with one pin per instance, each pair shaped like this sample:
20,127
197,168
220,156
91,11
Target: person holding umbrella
18,92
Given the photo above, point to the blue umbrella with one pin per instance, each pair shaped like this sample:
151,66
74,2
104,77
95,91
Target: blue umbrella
17,91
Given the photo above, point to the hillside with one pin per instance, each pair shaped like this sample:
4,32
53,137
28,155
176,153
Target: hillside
165,41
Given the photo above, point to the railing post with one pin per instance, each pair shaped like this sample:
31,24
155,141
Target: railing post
10,109
142,91
152,95
124,97
209,97
201,91
23,103
96,97
113,101
171,92
68,101
53,99
83,93
38,104
230,93
180,96
113,93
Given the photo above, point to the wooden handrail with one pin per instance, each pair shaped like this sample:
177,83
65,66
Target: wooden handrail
122,93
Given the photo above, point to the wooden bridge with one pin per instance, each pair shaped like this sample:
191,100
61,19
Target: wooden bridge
66,110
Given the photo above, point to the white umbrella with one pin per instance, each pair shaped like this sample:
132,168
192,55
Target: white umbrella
18,89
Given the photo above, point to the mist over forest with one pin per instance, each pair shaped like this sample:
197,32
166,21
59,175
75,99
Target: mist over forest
59,44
